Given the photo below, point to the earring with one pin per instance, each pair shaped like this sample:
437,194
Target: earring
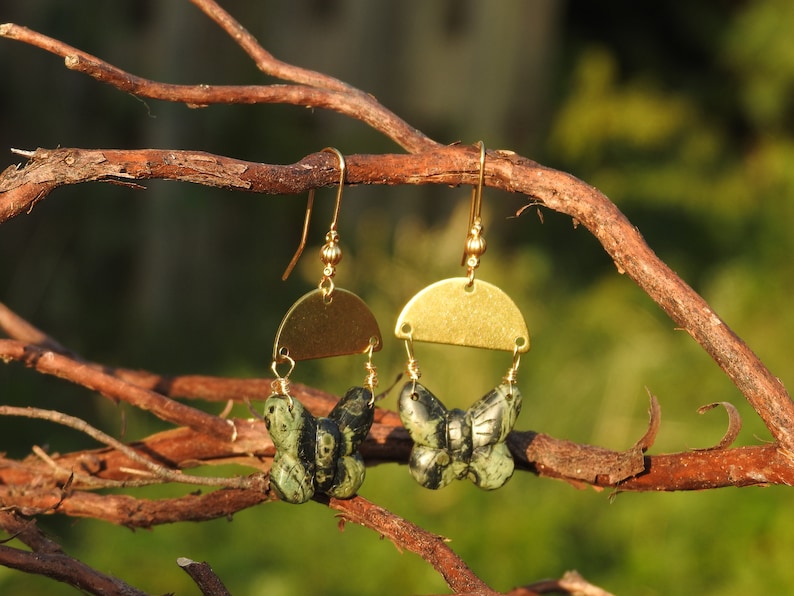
462,311
321,454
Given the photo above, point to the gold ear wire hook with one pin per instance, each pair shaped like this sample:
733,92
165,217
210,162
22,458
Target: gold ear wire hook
304,235
309,206
342,172
476,191
475,241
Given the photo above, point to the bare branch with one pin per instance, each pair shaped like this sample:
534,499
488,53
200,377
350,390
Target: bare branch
571,583
114,388
205,578
337,97
64,568
155,469
263,59
430,547
18,328
49,559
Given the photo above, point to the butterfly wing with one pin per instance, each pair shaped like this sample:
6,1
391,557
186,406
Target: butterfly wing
434,468
350,472
340,469
423,416
492,419
353,415
293,431
427,421
493,416
327,453
491,466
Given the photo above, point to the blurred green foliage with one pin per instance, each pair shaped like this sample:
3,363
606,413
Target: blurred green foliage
681,113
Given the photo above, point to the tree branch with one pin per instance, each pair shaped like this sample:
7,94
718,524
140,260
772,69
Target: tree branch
205,578
50,363
388,442
318,91
48,559
21,188
430,547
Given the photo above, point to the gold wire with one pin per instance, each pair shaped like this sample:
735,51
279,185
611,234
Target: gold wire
332,233
412,365
511,377
475,245
280,384
371,380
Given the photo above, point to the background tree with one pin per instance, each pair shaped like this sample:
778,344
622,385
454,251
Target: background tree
681,118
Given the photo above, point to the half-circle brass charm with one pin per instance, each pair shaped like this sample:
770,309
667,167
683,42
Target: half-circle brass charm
454,311
315,327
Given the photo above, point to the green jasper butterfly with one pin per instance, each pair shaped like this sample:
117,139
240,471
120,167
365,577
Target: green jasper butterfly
453,444
318,454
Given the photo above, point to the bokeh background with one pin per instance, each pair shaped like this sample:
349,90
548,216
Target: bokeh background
682,113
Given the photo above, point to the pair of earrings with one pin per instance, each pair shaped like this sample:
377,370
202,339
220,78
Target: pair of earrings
321,454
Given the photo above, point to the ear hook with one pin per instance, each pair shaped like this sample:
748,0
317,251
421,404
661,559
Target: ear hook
476,191
475,241
331,231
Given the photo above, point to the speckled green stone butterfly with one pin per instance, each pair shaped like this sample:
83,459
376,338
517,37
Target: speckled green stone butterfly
455,444
318,454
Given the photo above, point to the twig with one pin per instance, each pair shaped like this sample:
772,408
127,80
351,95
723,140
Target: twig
18,328
132,512
48,559
336,97
26,531
205,578
78,372
157,470
570,583
404,534
263,59
64,568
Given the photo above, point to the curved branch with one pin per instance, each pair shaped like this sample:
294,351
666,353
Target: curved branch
430,547
206,579
263,59
125,510
317,91
64,568
50,363
156,470
759,465
387,441
47,558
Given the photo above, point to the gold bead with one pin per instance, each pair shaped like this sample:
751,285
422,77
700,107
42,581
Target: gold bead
475,245
331,254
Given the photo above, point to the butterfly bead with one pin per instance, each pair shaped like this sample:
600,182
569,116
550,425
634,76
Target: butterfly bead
455,444
318,454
